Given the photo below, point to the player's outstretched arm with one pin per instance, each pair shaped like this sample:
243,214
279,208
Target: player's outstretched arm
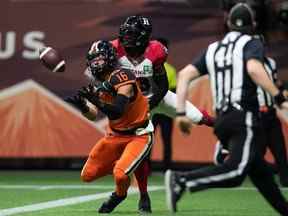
87,109
186,75
114,110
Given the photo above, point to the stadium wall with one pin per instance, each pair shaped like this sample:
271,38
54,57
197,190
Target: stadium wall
37,124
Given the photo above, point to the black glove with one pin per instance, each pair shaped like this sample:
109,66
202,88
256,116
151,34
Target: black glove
78,102
279,98
88,92
91,93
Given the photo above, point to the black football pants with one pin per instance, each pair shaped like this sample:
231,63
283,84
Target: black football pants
273,138
241,131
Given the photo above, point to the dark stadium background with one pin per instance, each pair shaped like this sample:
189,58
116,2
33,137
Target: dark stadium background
70,26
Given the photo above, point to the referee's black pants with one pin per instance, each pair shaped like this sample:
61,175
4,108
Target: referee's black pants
241,131
273,138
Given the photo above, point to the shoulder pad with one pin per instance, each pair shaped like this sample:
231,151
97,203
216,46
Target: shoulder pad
156,52
121,77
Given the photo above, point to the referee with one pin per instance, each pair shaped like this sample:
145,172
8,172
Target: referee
235,68
272,135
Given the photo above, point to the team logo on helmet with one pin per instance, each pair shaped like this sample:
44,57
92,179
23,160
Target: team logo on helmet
134,34
241,18
239,22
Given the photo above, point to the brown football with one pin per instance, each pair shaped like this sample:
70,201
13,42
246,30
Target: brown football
52,59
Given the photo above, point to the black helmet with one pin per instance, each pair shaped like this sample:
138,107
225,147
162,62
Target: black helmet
241,18
107,51
134,34
254,4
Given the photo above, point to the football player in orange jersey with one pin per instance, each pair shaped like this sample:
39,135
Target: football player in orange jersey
130,133
144,57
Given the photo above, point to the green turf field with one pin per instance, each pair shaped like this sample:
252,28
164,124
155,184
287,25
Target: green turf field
60,193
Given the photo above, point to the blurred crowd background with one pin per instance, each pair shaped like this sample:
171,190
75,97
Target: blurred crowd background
38,130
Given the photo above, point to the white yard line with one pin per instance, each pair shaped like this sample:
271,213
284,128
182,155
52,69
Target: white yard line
79,186
79,199
63,202
48,187
64,187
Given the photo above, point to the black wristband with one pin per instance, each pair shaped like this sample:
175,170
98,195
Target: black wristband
279,98
181,114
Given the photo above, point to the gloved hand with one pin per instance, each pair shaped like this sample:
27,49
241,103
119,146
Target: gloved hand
106,87
94,93
207,119
88,92
78,102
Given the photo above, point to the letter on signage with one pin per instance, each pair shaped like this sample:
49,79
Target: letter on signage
32,41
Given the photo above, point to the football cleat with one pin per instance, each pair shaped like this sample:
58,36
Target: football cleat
144,204
109,205
174,190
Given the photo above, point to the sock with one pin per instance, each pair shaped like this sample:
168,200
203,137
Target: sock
122,182
141,173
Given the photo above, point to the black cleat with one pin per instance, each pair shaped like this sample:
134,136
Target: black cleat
144,204
174,190
109,205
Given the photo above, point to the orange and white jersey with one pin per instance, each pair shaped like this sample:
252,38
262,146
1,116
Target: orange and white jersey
136,112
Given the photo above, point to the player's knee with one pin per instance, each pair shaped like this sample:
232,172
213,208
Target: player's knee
232,165
238,173
88,175
121,178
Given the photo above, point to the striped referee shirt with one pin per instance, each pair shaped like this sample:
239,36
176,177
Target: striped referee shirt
264,98
225,63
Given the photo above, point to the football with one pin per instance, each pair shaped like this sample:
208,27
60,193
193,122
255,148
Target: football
52,59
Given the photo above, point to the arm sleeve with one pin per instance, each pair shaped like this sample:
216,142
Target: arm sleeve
159,90
115,110
254,49
200,63
158,55
120,101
